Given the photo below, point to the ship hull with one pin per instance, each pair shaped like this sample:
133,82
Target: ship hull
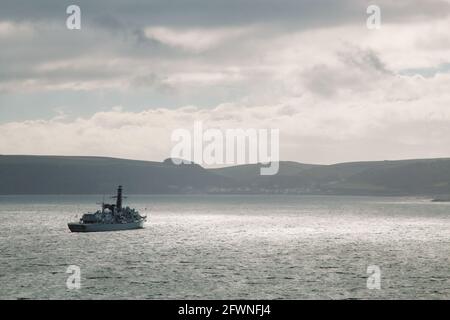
100,227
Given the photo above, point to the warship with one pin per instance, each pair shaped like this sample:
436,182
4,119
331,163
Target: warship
112,217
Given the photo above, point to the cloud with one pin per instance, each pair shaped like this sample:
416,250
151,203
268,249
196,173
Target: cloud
195,40
10,29
337,90
387,126
118,49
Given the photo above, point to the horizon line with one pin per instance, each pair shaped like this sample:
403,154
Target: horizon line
222,167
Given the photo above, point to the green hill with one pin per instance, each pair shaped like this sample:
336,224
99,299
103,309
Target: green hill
96,175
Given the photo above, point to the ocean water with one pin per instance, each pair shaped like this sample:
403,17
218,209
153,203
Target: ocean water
229,247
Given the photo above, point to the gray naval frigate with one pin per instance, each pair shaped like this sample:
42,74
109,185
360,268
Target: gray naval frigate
112,217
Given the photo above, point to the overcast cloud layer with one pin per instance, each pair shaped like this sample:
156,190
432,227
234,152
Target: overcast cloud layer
139,69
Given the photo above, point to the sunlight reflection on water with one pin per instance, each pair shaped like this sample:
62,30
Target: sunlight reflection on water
259,247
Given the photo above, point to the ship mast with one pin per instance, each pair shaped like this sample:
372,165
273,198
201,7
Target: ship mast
119,199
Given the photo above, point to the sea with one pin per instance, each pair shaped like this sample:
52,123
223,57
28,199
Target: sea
228,247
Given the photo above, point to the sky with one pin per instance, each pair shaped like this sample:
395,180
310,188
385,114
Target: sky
138,70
